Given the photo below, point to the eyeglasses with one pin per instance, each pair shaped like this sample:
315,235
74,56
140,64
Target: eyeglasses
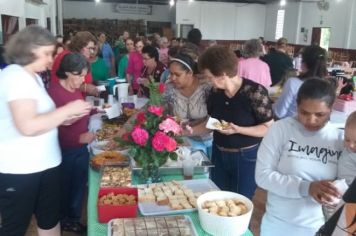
77,75
90,48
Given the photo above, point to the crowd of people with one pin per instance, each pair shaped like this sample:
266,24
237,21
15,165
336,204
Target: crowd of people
44,123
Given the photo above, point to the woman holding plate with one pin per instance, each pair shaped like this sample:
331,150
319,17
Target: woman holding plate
247,109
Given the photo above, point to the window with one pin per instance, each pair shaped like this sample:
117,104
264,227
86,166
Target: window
279,24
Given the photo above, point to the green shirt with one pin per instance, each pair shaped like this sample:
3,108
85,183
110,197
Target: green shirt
99,70
122,66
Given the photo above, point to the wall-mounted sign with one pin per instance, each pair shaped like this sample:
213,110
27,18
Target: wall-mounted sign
138,9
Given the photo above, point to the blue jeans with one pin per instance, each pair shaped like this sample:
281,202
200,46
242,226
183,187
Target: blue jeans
74,179
235,171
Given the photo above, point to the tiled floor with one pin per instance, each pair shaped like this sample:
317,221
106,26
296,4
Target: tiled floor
259,201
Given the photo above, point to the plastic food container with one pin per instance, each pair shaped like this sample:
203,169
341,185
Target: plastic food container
115,175
224,225
109,212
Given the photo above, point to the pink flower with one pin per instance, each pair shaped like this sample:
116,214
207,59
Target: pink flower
159,141
161,88
171,144
141,118
139,136
157,110
170,125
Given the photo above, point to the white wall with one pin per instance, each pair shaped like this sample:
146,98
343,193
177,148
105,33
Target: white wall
340,17
337,17
224,21
23,10
89,10
352,27
248,27
291,21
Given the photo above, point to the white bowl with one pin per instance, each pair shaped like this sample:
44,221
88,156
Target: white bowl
223,225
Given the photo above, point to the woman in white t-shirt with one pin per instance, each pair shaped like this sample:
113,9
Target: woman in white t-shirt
297,162
29,149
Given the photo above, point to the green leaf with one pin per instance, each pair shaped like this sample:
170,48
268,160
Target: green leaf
179,139
173,156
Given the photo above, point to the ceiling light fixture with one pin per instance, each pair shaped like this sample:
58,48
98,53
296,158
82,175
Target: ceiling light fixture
97,1
171,3
282,3
190,0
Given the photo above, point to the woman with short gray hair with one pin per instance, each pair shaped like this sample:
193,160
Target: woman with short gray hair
252,67
29,149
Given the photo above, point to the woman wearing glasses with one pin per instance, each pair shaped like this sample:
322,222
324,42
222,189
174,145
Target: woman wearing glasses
83,42
153,68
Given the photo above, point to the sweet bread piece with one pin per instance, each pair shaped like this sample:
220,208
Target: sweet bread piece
186,205
221,203
147,198
162,200
227,207
175,205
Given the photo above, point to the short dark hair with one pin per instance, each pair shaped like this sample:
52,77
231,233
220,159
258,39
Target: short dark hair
219,60
314,57
317,89
172,51
151,51
19,48
72,62
194,36
81,40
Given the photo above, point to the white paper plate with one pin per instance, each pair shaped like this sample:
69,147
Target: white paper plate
197,185
211,122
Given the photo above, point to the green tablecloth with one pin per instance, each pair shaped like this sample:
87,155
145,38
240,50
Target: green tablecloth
97,229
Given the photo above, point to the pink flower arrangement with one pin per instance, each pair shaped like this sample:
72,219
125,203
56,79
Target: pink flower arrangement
155,135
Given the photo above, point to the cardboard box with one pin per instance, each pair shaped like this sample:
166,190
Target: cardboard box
109,212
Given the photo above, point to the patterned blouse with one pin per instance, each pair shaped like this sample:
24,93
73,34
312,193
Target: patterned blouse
250,106
193,108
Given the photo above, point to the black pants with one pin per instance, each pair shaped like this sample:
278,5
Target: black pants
22,195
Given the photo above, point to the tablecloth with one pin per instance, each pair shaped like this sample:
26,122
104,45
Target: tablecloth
97,229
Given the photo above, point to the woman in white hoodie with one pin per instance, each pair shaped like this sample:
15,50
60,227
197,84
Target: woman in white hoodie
296,163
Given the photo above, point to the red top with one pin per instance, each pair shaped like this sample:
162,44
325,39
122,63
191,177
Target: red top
69,134
57,61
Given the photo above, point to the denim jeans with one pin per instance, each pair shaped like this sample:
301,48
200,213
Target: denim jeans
74,179
235,171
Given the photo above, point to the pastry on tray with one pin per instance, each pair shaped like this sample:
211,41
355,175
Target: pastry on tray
108,157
